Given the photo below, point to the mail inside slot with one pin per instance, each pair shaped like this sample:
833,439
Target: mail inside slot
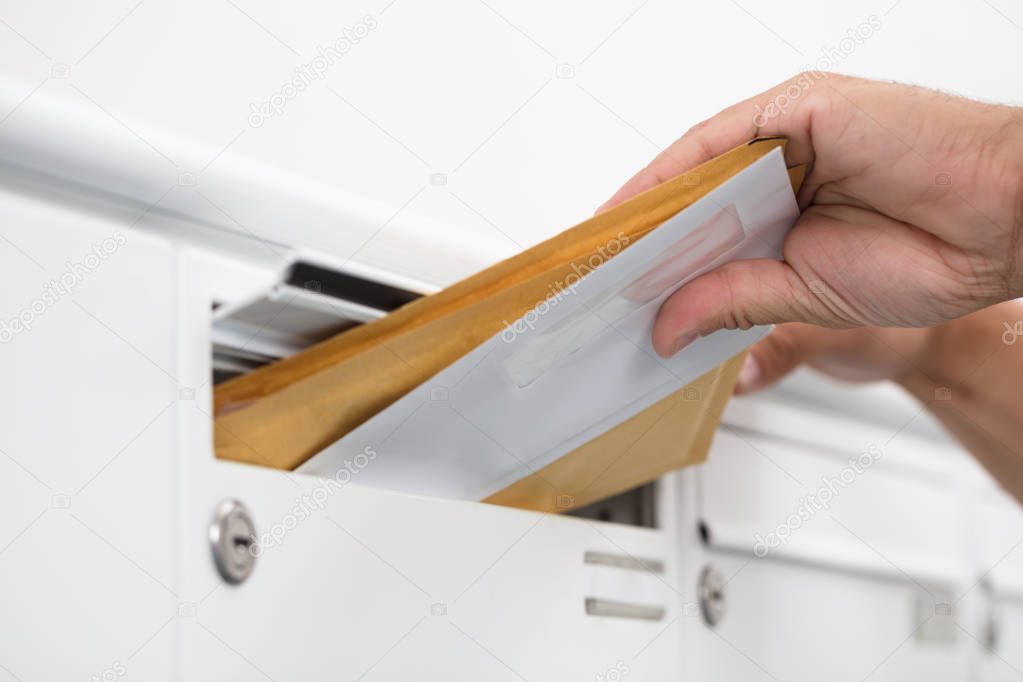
692,253
538,368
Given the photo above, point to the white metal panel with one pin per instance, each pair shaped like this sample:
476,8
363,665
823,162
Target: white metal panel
87,570
999,524
998,553
1004,662
382,583
768,496
795,622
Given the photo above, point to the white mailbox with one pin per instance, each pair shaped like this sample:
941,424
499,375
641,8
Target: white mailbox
836,541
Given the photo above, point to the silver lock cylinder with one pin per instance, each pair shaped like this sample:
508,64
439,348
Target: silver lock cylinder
233,541
711,589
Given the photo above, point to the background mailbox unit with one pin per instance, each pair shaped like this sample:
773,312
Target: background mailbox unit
150,225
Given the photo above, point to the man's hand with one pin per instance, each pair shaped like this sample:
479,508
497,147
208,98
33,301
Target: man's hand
862,354
911,216
966,372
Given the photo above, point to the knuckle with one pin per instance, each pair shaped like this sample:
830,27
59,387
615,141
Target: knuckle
697,137
819,100
697,128
736,312
779,351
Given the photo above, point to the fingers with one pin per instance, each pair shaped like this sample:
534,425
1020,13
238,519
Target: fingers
786,109
738,295
777,354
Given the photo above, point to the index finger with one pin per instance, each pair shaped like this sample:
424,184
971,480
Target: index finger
784,110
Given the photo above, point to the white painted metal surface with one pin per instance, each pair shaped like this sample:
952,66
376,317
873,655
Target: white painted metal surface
110,480
107,476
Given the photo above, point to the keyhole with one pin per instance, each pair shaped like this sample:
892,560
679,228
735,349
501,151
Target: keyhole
234,541
242,543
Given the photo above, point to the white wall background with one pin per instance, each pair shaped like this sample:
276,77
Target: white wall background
469,88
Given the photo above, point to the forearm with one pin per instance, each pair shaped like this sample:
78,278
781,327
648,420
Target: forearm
970,379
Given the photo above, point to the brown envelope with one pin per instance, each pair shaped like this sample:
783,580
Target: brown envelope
282,414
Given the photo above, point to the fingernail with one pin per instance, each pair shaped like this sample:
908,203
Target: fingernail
749,375
682,341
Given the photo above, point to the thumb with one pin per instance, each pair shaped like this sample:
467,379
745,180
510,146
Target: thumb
738,295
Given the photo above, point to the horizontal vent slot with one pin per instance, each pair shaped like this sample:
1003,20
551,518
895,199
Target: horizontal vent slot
618,609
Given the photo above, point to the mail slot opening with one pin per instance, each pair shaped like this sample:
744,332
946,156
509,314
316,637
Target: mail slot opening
309,304
636,507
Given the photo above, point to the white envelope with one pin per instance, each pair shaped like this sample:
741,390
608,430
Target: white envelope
575,366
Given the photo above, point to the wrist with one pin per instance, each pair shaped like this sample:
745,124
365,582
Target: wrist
955,355
1010,144
928,370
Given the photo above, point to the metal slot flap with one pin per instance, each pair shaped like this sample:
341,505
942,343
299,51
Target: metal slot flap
310,303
